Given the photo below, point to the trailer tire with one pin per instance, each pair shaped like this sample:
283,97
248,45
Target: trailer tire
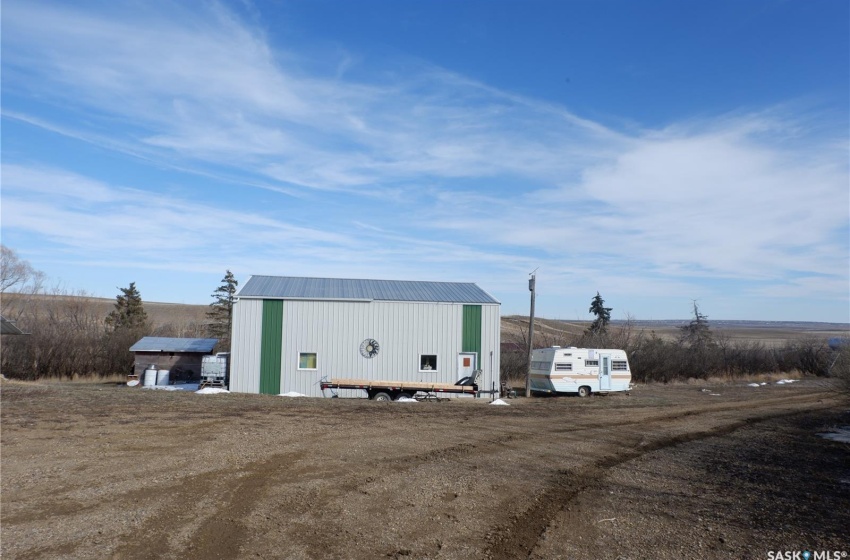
382,397
403,396
583,391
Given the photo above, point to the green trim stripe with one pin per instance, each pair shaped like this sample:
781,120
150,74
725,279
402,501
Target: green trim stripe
271,343
472,331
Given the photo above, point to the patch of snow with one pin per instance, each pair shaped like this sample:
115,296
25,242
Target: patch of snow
753,385
763,383
292,394
175,387
841,434
714,394
211,391
500,402
406,399
780,382
705,390
132,383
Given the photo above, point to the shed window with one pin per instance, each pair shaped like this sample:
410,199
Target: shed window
619,365
427,362
307,360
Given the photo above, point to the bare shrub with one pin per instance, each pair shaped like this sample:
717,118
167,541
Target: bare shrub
809,355
840,367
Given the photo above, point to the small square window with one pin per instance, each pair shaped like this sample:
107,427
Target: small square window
307,360
427,362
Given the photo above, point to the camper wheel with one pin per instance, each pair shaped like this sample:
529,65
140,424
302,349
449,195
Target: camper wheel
583,391
382,397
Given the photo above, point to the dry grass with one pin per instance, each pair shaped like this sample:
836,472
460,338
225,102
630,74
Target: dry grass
770,334
158,313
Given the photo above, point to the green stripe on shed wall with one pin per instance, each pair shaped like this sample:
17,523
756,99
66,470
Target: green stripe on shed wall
271,343
472,331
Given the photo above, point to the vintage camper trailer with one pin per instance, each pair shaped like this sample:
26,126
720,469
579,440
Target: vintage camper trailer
579,370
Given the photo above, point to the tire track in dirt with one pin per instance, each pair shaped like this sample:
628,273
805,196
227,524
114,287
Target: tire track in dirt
222,536
219,535
698,410
520,536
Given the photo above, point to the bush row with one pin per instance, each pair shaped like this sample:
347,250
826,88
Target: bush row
68,337
653,358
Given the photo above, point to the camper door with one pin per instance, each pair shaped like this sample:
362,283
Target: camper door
605,372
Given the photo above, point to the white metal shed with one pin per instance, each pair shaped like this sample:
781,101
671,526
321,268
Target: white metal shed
290,333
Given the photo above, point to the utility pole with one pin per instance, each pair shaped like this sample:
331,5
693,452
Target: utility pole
531,282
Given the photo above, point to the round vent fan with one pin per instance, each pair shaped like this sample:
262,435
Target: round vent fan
369,348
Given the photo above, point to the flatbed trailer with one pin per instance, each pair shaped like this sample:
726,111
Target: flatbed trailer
378,390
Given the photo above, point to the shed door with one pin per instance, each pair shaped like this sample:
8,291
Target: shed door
604,372
466,364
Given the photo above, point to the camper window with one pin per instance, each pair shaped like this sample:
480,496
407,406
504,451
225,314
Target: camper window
619,365
427,362
541,365
563,367
591,363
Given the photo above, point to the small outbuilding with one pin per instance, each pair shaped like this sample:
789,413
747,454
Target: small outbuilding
291,333
182,356
9,327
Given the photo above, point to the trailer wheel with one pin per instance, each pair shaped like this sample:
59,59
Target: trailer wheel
583,391
403,396
382,397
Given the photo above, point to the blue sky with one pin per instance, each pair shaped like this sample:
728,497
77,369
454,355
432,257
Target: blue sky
656,152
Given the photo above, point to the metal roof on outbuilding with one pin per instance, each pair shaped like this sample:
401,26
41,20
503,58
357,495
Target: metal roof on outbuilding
287,287
9,327
166,344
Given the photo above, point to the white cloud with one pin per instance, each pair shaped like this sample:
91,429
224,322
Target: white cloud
410,172
210,89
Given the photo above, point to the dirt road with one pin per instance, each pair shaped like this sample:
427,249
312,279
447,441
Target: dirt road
97,471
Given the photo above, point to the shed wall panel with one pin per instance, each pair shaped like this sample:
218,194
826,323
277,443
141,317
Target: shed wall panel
245,346
270,347
334,330
472,331
490,347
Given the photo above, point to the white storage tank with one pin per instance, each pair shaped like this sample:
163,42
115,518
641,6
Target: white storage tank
162,377
150,377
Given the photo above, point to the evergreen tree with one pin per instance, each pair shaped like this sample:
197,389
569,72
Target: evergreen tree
603,315
129,312
129,323
697,334
221,311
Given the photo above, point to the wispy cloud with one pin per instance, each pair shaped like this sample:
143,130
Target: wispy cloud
210,89
428,169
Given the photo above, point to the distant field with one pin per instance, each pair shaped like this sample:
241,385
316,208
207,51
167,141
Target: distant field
774,333
158,313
